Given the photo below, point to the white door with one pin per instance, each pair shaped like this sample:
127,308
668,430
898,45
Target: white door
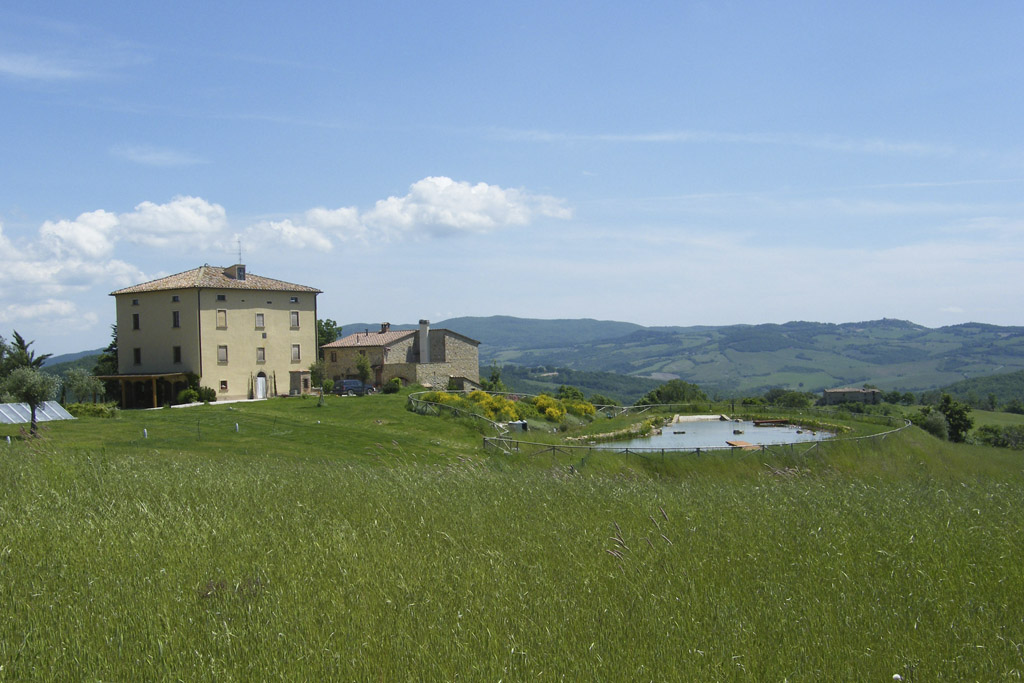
261,386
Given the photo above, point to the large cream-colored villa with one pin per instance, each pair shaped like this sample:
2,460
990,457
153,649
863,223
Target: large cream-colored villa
244,335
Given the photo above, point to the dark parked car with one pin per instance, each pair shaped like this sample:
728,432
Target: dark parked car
351,387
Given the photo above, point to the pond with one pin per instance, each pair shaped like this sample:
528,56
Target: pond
706,431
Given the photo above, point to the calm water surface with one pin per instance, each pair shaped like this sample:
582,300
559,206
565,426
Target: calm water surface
714,434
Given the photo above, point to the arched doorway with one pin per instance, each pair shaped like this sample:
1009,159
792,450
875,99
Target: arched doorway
261,385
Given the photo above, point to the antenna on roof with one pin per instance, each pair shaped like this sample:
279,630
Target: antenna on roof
239,240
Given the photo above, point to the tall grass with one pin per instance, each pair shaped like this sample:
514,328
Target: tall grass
409,558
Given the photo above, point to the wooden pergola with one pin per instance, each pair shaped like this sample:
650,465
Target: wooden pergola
166,376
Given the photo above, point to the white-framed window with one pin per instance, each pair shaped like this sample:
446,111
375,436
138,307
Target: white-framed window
261,354
223,385
222,353
222,319
294,318
296,352
259,321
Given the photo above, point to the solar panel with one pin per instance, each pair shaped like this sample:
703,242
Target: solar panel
20,413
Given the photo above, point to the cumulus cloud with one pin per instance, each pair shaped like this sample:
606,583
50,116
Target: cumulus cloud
91,235
344,223
276,234
191,221
46,310
72,257
440,205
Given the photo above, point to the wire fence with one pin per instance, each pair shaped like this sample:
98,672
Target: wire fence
507,444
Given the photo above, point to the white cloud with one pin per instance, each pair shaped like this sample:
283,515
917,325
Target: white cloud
91,235
277,234
440,205
33,67
47,309
156,156
827,143
188,222
344,222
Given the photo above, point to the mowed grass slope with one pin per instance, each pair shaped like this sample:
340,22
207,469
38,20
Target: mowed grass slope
380,544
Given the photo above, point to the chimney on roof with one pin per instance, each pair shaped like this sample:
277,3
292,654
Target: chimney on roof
424,341
384,327
235,272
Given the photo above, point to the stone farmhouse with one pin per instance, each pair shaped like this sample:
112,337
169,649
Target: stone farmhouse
432,358
244,335
851,395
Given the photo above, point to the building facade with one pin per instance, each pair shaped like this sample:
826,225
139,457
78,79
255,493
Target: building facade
243,335
834,397
431,358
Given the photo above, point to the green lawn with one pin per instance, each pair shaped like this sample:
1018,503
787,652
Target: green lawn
998,419
359,541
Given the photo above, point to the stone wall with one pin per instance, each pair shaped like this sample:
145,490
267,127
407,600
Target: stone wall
450,356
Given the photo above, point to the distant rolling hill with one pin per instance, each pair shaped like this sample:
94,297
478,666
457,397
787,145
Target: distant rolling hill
745,359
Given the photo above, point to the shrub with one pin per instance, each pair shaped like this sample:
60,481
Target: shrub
550,407
392,386
188,396
92,409
497,408
328,385
932,422
580,408
207,394
526,410
1011,436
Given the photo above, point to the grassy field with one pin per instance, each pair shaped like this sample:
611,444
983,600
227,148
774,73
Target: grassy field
359,541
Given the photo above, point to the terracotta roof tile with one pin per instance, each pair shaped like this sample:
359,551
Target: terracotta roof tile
370,339
378,338
214,277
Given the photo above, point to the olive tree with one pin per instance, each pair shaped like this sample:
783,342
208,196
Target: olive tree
32,387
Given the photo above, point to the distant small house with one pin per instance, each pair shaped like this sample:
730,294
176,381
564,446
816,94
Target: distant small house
852,395
432,358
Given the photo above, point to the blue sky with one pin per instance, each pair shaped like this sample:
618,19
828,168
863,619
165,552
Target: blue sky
662,163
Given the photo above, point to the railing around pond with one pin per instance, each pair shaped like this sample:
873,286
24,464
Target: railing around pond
534,448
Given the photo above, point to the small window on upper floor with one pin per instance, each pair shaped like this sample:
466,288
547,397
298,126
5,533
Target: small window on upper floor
135,302
222,319
175,298
294,317
294,300
222,297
